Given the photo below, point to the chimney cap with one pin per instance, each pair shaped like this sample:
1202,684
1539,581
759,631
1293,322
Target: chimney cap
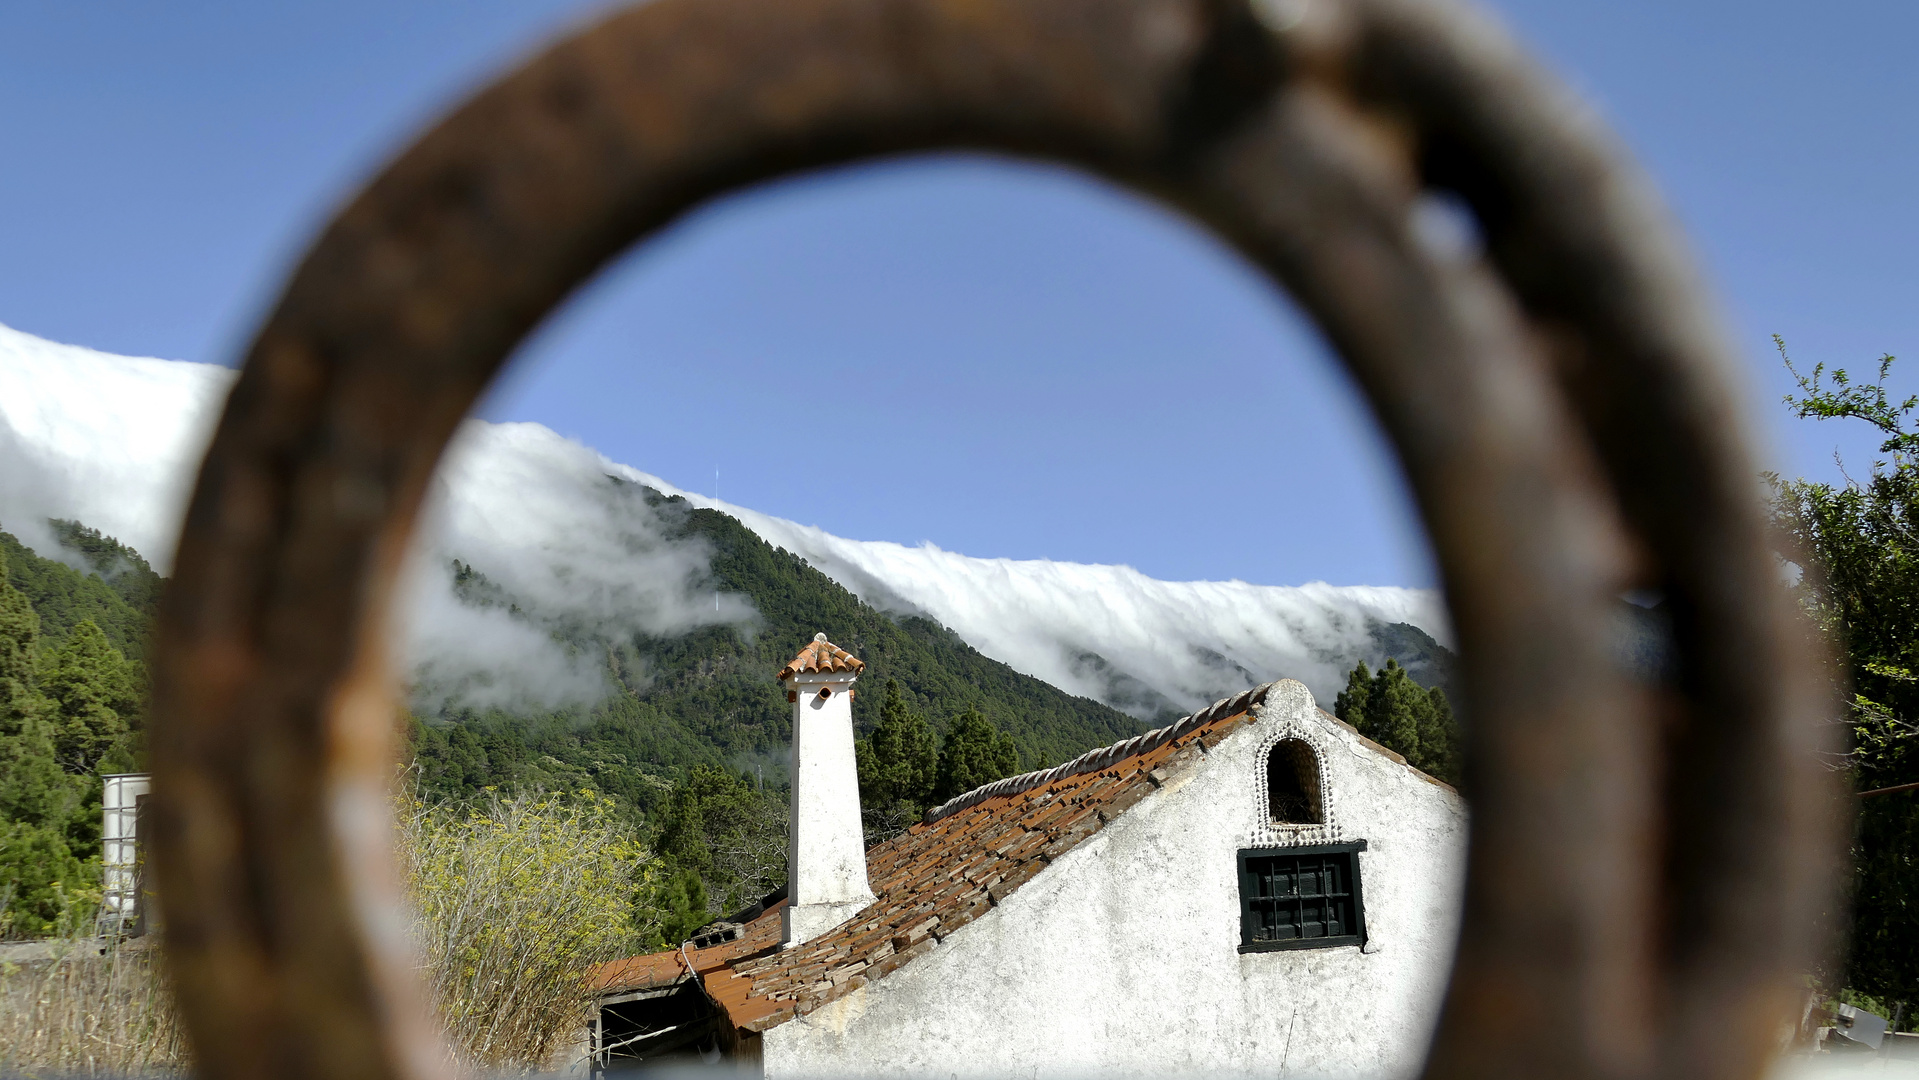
819,656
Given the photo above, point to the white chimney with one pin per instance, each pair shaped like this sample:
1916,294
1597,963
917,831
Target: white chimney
826,848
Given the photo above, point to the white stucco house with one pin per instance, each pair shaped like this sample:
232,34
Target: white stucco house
1256,887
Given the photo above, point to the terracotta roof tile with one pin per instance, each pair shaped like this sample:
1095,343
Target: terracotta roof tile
757,938
821,655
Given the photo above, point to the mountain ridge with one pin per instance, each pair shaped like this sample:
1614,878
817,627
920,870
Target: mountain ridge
706,696
113,441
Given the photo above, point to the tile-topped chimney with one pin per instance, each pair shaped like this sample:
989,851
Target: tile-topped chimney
826,847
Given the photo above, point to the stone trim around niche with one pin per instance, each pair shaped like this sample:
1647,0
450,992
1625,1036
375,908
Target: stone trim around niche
1264,832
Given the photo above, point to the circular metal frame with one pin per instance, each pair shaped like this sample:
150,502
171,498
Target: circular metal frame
1644,867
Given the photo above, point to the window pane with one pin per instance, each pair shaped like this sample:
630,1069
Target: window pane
1299,897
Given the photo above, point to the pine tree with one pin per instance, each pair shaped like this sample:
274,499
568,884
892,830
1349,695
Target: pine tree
1391,709
32,787
95,695
730,834
1393,713
975,753
20,699
1350,705
1439,749
682,906
41,882
900,763
39,803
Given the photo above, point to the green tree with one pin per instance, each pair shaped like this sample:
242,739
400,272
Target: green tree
681,907
728,832
39,873
96,696
975,753
42,885
20,697
899,764
1415,722
1863,589
1351,703
62,595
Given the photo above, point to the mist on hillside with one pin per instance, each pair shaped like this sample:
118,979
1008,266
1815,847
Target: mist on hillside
112,441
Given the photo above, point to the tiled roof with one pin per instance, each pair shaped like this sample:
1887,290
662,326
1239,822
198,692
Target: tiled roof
661,968
938,876
821,655
1095,760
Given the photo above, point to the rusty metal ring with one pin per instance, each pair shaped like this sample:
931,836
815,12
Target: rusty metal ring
1643,870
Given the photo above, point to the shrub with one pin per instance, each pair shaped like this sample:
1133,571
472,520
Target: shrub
42,886
516,899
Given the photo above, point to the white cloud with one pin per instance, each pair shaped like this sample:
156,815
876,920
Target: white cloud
112,441
544,520
1190,642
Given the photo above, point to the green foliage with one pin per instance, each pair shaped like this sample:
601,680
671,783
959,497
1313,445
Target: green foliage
681,907
1862,539
69,705
899,763
121,567
33,787
516,899
97,698
42,809
120,602
44,889
975,753
19,652
1415,722
730,834
1876,1006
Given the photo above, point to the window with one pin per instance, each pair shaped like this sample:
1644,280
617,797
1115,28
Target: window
1300,898
1292,784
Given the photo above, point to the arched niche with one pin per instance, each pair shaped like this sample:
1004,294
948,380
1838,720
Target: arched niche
1292,784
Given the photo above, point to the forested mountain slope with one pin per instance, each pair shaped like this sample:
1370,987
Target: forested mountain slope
703,697
708,696
119,594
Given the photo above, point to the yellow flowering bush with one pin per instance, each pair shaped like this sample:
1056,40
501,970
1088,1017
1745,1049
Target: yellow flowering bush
516,899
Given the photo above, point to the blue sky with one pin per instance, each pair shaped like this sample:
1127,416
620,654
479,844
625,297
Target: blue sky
1022,362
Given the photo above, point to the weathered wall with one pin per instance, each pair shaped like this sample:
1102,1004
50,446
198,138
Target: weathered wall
1123,956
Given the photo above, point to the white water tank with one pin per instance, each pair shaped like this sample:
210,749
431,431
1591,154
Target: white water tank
121,850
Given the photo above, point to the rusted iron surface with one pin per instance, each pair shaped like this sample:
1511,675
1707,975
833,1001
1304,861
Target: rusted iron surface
1646,861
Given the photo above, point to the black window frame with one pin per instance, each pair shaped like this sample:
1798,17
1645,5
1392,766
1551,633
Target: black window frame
1249,891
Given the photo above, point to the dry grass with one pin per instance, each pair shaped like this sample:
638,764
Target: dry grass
82,1013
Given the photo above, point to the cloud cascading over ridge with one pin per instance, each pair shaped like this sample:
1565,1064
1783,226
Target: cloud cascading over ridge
109,440
547,522
112,441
